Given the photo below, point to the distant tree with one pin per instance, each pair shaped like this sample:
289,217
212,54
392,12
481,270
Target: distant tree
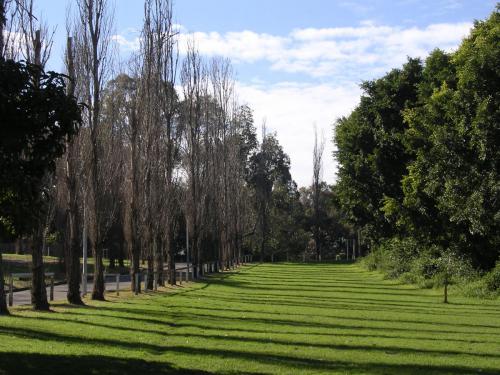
288,234
319,146
268,166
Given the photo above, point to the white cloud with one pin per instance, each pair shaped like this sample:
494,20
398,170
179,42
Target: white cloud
342,56
127,44
292,109
322,52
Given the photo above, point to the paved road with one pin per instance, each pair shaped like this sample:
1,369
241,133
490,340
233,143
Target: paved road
24,297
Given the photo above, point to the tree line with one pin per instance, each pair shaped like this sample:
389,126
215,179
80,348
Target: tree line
141,157
419,159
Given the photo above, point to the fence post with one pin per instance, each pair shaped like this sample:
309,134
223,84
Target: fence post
180,277
104,277
155,286
117,284
11,291
146,277
136,275
52,288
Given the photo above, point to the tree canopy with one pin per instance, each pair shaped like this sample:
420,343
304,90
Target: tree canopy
37,119
419,156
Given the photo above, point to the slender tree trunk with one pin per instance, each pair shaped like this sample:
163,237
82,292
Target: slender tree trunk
73,256
171,254
73,223
98,291
2,25
3,297
151,268
134,264
159,263
73,273
18,246
263,231
38,287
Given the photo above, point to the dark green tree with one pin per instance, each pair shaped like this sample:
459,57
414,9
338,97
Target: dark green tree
452,190
370,150
288,234
268,166
37,118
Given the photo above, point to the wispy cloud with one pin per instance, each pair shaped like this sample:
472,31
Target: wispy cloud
334,60
321,52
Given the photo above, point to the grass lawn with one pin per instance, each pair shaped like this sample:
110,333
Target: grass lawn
262,319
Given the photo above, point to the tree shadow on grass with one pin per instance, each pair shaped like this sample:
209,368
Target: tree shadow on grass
217,314
156,349
27,363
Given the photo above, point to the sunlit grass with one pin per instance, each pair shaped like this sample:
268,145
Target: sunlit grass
285,319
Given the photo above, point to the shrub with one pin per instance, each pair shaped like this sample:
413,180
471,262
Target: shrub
492,279
487,286
393,256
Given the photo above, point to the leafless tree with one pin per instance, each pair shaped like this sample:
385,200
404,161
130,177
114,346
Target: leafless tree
92,37
9,40
33,31
319,146
72,171
161,132
194,86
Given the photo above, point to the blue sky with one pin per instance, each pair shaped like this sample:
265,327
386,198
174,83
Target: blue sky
299,63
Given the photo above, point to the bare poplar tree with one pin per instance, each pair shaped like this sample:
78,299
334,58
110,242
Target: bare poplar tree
161,133
9,37
221,77
92,66
133,174
319,146
35,39
194,86
72,179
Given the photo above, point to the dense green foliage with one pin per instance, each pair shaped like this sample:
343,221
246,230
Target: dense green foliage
420,159
37,117
265,319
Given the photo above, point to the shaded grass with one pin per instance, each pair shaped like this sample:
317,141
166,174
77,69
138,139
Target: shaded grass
265,319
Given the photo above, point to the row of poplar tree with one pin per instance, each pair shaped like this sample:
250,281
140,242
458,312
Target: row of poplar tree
139,153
